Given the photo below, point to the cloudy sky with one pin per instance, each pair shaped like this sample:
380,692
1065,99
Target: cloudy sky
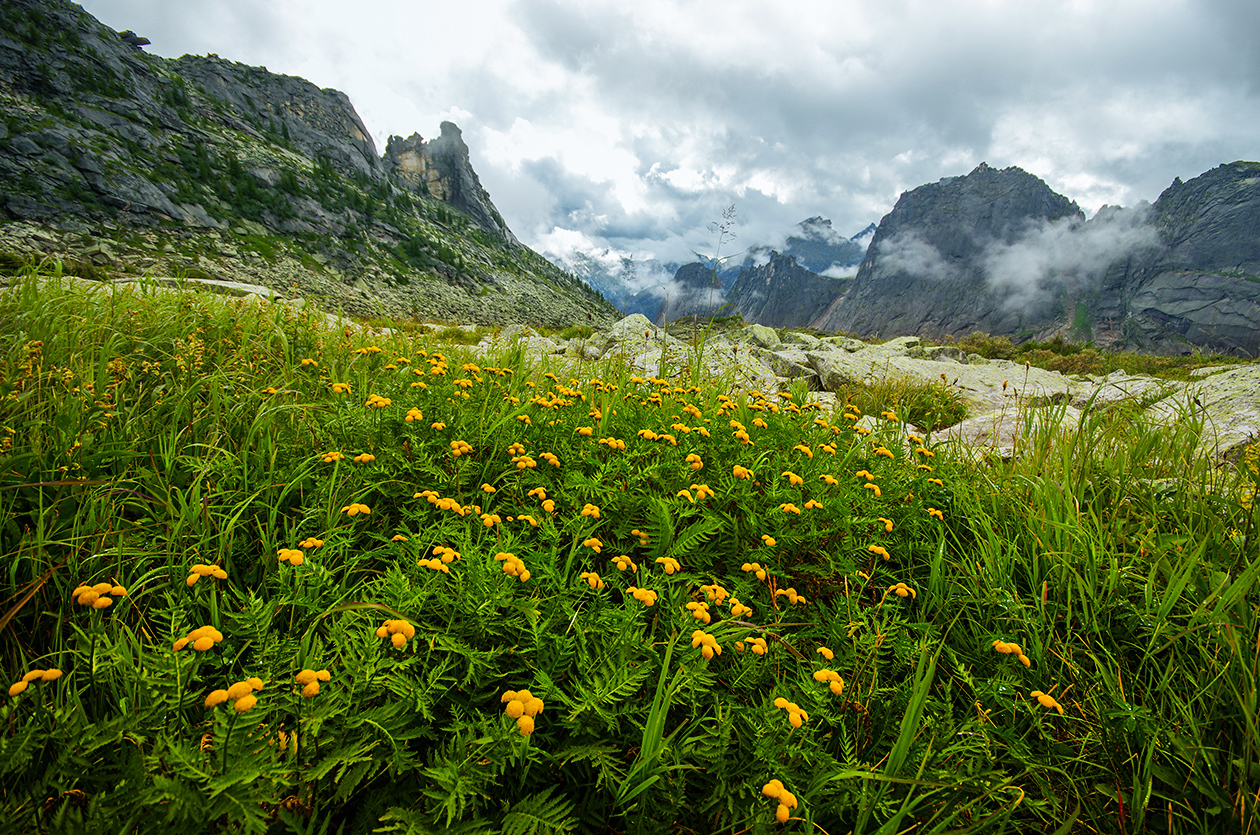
629,126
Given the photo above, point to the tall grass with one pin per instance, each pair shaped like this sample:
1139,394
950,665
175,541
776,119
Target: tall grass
144,433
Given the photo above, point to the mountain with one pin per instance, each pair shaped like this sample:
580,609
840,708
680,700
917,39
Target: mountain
643,286
121,161
924,271
998,251
1198,285
783,294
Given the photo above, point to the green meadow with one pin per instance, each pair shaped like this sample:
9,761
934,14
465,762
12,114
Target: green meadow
263,575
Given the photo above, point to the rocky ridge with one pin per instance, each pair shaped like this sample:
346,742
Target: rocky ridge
1000,252
124,161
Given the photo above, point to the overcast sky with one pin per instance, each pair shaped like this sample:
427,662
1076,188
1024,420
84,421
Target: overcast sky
632,125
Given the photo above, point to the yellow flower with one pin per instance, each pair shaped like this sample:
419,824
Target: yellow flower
592,579
694,461
330,457
549,505
699,611
796,716
354,509
742,472
364,458
201,638
448,555
644,596
398,632
340,388
670,564
923,467
585,431
866,474
926,453
439,426
793,478
788,507
832,678
829,479
901,590
491,519
1012,649
791,595
756,568
538,492
873,487
488,488
594,544
804,449
878,550
398,538
888,525
308,361
884,451
414,414
269,390
459,448
623,562
291,555
768,540
591,511
812,503
375,401
707,643
703,491
934,512
1047,701
550,459
310,542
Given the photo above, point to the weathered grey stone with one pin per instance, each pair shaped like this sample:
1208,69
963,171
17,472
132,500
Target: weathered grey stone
762,335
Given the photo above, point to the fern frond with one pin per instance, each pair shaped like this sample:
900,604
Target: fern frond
540,814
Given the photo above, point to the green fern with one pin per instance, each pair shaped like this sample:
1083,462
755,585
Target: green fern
610,686
540,814
694,536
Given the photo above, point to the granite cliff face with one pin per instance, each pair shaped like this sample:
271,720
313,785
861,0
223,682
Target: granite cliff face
999,252
127,161
924,272
1198,285
783,294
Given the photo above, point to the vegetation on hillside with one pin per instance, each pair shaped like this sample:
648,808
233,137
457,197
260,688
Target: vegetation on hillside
261,576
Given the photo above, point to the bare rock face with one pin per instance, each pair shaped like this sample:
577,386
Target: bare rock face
925,271
783,294
1199,287
441,168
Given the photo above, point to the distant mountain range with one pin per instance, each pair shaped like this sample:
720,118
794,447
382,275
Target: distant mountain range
664,291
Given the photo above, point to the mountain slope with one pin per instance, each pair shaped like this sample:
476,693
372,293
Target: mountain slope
125,161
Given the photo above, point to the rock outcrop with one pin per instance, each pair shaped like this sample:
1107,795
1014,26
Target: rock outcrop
1003,398
782,294
176,166
1198,286
999,252
441,168
924,273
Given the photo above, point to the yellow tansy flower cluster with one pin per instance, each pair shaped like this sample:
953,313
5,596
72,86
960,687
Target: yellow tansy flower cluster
310,542
901,590
354,509
700,611
591,511
398,632
791,595
240,694
513,565
1047,701
787,801
832,678
670,564
292,556
19,687
645,596
310,679
202,639
879,551
99,596
756,568
522,706
757,645
196,572
708,645
375,401
623,562
1012,649
459,448
796,716
592,579
742,472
